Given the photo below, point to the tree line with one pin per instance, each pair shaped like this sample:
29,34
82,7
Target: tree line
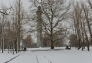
49,18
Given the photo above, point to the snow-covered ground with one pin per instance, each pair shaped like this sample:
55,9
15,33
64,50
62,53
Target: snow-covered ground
45,55
7,56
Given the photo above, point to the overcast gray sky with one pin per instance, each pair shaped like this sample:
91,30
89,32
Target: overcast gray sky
26,3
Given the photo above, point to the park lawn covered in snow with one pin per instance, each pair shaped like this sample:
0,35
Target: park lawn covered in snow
7,56
46,55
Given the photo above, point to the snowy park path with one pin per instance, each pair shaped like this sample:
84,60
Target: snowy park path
54,56
6,57
11,59
30,57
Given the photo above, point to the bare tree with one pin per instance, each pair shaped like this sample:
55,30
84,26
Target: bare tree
18,23
80,18
4,13
87,13
54,13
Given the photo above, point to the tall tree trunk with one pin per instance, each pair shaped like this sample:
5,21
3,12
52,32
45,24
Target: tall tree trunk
18,26
52,42
3,34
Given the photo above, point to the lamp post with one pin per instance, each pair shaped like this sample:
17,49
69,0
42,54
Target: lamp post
39,27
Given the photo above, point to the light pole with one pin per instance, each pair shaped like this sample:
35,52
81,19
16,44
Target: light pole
39,27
